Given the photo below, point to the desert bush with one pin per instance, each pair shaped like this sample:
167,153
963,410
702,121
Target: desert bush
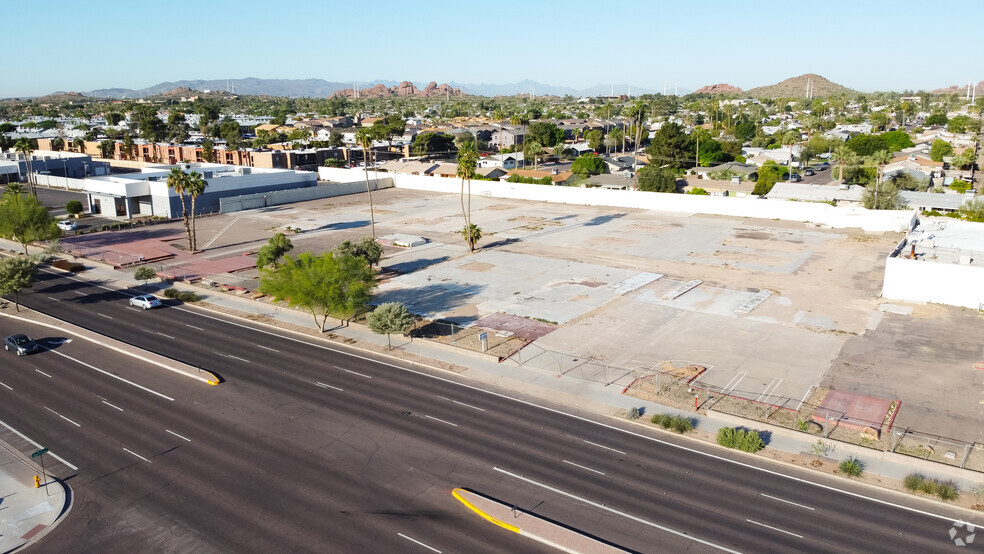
852,467
948,491
742,439
913,482
188,296
633,413
171,293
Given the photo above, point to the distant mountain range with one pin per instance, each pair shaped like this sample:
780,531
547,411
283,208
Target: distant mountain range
319,88
797,87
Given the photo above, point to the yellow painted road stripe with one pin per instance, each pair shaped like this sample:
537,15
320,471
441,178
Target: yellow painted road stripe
473,508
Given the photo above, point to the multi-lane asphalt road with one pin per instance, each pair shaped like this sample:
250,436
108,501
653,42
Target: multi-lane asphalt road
306,447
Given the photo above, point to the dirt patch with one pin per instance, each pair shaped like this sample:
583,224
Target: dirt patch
500,207
477,266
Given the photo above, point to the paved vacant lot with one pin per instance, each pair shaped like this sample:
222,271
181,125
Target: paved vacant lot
766,305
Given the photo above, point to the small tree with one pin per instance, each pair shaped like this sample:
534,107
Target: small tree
74,207
25,220
472,235
390,317
656,179
852,467
270,253
17,274
144,273
367,249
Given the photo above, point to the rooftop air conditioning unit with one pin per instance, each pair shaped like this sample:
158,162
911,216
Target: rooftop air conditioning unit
243,171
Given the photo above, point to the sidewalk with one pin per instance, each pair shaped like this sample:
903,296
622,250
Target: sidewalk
564,389
26,512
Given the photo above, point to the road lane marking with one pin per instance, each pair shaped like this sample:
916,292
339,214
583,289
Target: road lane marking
38,445
460,403
614,511
103,315
441,420
166,336
117,377
80,293
55,299
43,373
356,373
787,501
138,455
6,385
575,417
267,348
411,539
112,406
61,416
327,386
583,467
599,445
774,528
177,435
193,327
234,357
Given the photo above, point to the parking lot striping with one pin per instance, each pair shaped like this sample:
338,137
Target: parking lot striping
583,467
177,435
267,348
6,385
112,406
774,385
327,386
103,315
802,400
774,528
599,445
193,327
117,377
733,383
38,445
55,299
441,420
165,336
787,501
411,539
612,510
138,455
43,373
61,416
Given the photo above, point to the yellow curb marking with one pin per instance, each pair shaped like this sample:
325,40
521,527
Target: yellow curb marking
475,509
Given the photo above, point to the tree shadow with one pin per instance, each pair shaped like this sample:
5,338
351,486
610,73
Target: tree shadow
499,243
414,265
108,238
342,225
431,299
602,219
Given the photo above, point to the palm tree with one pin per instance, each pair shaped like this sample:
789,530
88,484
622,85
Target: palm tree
472,234
364,138
467,160
842,154
24,147
178,181
14,189
195,187
532,149
880,159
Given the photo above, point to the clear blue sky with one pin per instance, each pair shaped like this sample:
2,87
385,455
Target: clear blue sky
863,44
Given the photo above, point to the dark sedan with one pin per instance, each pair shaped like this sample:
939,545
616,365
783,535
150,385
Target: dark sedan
20,344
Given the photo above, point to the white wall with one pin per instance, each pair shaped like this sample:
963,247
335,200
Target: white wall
939,283
824,214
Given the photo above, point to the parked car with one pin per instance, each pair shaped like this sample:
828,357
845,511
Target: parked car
68,224
809,171
821,166
20,344
794,178
145,301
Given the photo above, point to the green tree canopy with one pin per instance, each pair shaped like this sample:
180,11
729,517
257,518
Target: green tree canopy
939,150
367,249
887,197
768,175
390,317
595,139
17,274
589,164
24,219
897,140
657,179
325,285
270,253
866,145
430,142
937,118
545,133
670,147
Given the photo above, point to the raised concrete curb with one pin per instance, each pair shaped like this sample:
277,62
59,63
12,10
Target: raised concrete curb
37,318
27,513
532,526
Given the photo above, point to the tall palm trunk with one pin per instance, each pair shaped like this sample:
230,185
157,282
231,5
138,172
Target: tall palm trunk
187,221
194,231
372,216
471,241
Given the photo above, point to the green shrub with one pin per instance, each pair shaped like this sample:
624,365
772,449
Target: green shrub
852,467
742,439
172,293
930,486
188,296
74,207
74,267
913,482
948,491
682,424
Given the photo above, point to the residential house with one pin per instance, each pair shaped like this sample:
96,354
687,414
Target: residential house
557,177
507,137
505,161
842,195
743,171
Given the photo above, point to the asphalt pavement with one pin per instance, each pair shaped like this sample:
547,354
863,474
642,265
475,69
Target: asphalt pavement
314,446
